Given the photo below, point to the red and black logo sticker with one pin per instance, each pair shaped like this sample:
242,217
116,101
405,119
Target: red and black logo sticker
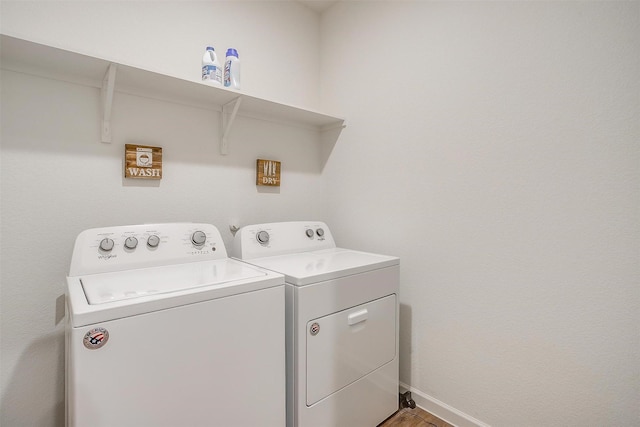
96,338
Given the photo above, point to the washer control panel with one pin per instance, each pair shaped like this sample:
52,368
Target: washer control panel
278,238
100,250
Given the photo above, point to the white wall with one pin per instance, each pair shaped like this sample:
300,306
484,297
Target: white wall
493,146
58,179
277,40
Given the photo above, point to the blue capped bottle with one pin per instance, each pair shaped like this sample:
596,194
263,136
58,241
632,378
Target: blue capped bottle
232,70
211,71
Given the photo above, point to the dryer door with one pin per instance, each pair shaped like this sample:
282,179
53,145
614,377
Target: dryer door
345,346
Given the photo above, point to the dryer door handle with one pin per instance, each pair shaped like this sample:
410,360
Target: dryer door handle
357,317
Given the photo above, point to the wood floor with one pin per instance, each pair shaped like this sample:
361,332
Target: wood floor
407,417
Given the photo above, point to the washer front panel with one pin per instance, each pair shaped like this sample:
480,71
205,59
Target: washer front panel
192,365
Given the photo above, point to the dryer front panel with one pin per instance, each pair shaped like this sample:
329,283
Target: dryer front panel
345,346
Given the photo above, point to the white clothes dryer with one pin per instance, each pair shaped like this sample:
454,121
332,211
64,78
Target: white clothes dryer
342,323
163,329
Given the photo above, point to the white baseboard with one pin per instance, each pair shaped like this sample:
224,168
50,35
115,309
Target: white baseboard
441,409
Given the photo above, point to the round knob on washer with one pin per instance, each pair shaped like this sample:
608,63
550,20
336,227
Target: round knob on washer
320,232
309,233
198,238
262,237
131,242
106,244
153,241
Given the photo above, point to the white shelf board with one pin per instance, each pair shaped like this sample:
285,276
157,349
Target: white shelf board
37,59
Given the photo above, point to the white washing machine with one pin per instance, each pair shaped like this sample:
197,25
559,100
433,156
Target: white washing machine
342,323
163,329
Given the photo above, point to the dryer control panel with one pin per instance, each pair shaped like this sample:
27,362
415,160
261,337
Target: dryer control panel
101,250
280,238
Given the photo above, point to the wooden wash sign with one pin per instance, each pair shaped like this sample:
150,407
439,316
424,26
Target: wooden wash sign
142,161
268,173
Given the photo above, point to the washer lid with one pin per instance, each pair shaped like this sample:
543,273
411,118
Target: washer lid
122,285
316,266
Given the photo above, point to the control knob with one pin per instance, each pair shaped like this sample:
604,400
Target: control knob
262,237
153,241
309,233
320,232
198,238
106,244
131,242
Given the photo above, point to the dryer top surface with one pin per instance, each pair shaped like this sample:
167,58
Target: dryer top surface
305,268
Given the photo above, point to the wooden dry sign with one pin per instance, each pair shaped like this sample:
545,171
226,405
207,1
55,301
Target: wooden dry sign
142,161
268,173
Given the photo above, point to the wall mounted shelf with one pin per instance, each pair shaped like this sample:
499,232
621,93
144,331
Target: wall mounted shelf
41,60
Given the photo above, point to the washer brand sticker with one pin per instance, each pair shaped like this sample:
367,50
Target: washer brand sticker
96,338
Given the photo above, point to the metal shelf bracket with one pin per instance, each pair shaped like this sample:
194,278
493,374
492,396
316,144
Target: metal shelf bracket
227,122
108,85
